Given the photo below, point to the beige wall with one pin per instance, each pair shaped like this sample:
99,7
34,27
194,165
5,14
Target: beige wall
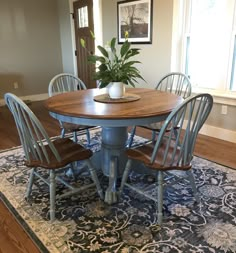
30,48
217,119
155,57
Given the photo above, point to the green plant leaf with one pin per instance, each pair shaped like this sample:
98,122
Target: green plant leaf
82,42
130,63
132,52
95,58
92,34
124,49
113,43
132,83
102,67
103,51
103,84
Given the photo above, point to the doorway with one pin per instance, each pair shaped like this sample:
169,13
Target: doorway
83,26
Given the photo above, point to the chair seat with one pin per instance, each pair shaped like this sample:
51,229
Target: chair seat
67,149
70,127
143,154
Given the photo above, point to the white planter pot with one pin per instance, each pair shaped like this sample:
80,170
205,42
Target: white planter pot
116,90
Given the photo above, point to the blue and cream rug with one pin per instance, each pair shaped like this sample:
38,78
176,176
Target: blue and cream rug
86,224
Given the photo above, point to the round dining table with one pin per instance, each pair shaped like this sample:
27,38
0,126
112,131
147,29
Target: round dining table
93,107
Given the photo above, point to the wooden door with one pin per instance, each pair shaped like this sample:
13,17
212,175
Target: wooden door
83,20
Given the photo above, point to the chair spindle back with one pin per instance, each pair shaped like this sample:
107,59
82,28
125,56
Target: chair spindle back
177,83
65,83
189,117
32,134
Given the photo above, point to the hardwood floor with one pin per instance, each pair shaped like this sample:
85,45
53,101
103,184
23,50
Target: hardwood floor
8,133
13,238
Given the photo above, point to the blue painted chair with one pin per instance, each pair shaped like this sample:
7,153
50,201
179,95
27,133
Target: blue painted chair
176,83
62,83
42,154
169,153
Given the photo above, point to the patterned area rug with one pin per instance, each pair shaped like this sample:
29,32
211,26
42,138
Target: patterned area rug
86,224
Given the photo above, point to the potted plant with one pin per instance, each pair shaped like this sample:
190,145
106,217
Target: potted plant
115,69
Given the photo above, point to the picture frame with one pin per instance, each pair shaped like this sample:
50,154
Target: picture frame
135,17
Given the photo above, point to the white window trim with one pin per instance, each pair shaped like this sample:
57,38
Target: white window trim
221,97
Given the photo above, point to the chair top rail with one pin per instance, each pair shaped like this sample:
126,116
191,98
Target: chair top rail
177,83
65,82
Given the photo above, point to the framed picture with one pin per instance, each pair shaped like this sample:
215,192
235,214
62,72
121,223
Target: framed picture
135,19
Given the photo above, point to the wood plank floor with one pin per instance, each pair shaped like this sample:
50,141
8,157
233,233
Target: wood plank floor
13,238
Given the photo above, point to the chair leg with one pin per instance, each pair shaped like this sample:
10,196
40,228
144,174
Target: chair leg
95,178
153,136
52,186
72,170
62,132
192,182
160,197
176,133
88,136
125,176
75,136
131,138
30,184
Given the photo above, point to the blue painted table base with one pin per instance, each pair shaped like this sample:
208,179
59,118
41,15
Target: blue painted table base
113,158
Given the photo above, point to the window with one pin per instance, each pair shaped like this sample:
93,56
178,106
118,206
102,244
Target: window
209,39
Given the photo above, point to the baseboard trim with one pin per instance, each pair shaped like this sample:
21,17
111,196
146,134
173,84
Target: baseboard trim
219,133
37,97
208,130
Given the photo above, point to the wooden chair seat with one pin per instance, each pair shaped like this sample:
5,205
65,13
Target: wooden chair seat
68,150
144,153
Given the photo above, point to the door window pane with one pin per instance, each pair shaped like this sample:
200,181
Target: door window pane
83,17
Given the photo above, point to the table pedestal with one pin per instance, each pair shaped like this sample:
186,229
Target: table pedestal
113,158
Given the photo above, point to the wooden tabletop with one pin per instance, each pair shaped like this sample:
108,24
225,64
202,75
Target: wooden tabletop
81,104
